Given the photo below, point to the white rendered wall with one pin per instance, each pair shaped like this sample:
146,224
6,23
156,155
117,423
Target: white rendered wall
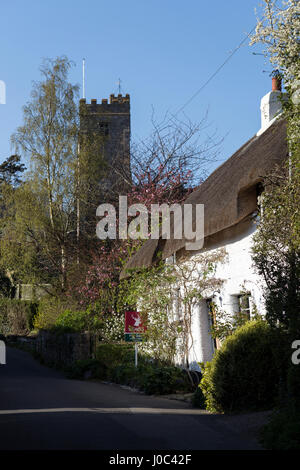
239,276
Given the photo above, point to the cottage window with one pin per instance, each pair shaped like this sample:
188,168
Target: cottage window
244,305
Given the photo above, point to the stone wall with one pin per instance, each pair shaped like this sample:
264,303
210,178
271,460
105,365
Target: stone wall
61,349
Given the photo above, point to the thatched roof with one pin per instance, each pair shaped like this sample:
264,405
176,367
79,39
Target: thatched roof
228,194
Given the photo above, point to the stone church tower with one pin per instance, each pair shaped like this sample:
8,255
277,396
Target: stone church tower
108,125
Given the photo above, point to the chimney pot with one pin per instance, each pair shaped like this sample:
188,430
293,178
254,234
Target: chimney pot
276,84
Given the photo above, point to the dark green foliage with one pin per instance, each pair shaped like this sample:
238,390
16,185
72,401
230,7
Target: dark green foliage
293,385
164,380
198,400
283,430
276,248
113,354
90,368
246,373
151,379
6,288
126,374
10,169
31,309
115,362
283,296
112,362
16,316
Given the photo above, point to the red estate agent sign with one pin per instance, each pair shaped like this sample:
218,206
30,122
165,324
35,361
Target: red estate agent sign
134,326
134,323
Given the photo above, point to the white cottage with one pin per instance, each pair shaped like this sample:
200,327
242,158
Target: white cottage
230,197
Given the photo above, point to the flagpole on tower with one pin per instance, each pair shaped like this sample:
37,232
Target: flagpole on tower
119,86
83,78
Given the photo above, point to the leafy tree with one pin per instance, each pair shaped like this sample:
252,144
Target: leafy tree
25,241
276,250
11,169
45,222
10,178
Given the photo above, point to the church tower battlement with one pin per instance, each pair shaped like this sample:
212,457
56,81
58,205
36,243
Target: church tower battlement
110,123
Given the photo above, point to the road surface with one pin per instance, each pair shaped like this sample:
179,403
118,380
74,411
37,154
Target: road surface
42,410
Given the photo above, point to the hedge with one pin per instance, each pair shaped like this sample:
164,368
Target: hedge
246,373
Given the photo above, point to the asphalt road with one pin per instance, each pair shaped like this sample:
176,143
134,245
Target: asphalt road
42,410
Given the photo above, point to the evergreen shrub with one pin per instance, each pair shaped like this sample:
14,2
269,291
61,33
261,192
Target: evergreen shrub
248,369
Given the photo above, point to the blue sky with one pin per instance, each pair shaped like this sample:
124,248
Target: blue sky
163,51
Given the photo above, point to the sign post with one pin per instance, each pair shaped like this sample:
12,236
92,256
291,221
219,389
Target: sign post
136,354
134,329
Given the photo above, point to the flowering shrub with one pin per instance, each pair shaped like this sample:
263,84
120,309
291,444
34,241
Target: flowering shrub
112,328
278,30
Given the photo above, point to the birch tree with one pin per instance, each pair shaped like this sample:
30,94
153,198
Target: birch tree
48,138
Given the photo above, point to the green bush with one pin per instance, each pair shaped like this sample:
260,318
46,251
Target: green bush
76,322
62,315
165,380
115,354
151,379
50,308
81,367
245,374
115,362
125,374
198,399
207,387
